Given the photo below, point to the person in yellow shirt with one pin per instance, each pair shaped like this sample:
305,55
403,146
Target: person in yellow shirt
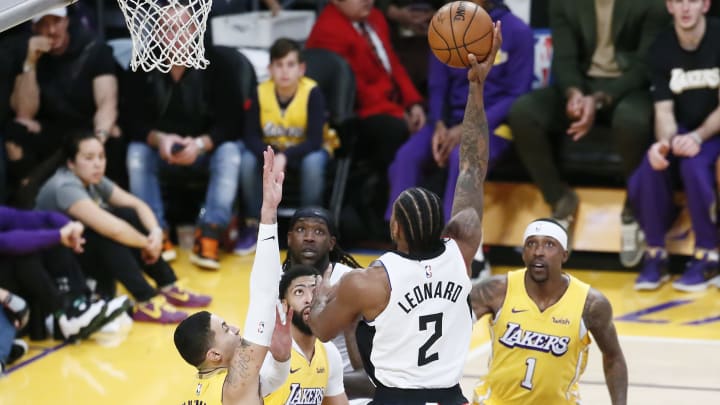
316,369
228,363
540,326
290,115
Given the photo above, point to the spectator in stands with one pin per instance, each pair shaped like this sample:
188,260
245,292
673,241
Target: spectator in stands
438,140
600,76
11,349
37,263
288,114
315,367
388,105
187,118
685,66
312,241
123,235
408,21
67,83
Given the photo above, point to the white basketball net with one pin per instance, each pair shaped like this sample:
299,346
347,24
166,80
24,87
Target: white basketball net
166,33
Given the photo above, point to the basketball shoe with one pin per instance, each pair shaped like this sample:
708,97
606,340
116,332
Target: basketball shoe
701,271
654,270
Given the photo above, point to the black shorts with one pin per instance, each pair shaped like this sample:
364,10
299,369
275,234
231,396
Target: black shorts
399,396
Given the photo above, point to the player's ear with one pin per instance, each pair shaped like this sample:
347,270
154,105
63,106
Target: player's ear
566,255
213,355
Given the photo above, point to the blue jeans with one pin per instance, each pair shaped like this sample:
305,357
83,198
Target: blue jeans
312,180
144,165
7,335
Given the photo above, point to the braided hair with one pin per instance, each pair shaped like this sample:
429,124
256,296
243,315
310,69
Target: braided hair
337,254
420,213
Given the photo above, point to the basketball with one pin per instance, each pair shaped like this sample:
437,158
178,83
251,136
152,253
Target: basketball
458,29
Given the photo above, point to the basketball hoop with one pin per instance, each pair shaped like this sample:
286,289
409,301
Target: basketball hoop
167,33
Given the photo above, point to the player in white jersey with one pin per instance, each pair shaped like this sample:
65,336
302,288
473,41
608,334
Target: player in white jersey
417,322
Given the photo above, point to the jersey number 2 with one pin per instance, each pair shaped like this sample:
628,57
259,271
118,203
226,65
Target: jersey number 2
423,357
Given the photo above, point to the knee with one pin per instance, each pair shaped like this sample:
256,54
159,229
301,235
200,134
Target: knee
315,161
229,152
140,157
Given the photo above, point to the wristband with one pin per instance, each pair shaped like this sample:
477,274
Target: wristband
695,137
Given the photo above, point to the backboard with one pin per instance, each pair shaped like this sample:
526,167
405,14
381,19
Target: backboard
14,12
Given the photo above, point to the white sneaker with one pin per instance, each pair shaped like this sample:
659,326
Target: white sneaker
87,319
632,244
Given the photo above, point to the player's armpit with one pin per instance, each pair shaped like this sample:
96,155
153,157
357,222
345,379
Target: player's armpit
335,308
487,296
242,382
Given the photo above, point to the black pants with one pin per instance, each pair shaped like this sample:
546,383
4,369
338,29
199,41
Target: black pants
538,120
398,396
108,261
379,138
48,281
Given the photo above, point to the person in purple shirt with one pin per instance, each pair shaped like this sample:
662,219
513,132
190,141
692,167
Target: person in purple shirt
35,260
438,140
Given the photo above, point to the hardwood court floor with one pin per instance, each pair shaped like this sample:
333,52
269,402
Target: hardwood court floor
671,342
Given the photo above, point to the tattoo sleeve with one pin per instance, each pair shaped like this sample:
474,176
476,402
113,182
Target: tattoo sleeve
598,318
473,154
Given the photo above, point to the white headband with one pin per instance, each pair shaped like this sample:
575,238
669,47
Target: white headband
546,228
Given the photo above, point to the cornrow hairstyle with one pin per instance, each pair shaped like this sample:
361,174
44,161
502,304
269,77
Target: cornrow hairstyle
419,211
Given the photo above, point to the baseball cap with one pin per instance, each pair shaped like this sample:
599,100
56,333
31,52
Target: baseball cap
59,12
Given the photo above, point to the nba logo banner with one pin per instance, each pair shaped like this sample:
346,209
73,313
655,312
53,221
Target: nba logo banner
543,57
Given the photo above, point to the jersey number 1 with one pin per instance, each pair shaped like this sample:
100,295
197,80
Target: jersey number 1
423,357
527,381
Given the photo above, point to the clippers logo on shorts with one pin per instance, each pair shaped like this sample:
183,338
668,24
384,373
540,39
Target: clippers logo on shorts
304,396
515,336
681,80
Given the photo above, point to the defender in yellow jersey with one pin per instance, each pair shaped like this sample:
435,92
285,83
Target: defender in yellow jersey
540,326
208,343
316,370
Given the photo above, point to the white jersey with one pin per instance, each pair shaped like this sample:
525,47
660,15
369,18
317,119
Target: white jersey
421,339
339,270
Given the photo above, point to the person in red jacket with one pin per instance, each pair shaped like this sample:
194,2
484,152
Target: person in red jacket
387,103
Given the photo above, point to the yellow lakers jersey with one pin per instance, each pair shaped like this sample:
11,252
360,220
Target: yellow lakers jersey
537,357
208,388
307,380
283,129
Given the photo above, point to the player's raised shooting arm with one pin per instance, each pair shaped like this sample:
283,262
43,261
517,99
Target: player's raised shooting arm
597,315
487,296
465,226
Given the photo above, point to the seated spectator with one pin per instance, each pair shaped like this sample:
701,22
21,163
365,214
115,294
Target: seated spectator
36,263
187,118
315,367
438,140
685,66
600,77
123,235
312,241
288,114
387,103
67,83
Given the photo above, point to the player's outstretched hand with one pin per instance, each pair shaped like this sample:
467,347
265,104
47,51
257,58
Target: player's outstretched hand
272,181
479,70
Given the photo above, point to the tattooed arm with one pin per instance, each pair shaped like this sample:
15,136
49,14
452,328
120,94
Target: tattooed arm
597,315
487,296
242,383
465,226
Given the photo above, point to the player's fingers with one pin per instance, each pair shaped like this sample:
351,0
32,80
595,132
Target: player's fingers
472,60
